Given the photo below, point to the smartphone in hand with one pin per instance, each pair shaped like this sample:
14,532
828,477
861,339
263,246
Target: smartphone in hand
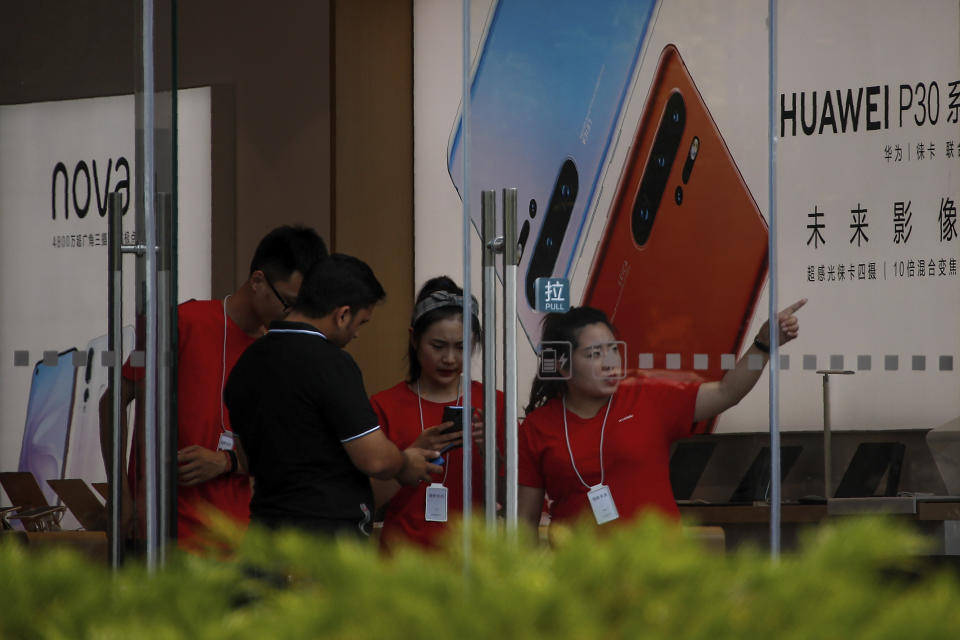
452,414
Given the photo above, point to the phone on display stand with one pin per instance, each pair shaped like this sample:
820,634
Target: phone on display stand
47,428
84,458
548,89
683,255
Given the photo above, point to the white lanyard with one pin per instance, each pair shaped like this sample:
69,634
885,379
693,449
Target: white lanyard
446,467
566,434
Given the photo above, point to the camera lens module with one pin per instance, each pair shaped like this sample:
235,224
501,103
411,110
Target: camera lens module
656,174
556,217
533,208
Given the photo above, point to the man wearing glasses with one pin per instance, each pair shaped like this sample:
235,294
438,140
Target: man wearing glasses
212,334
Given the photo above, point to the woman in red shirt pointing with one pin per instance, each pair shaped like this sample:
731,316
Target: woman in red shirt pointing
412,411
594,443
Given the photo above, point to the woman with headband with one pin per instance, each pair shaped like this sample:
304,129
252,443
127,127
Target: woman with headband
412,412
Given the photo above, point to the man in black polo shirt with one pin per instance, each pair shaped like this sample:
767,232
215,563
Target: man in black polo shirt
298,404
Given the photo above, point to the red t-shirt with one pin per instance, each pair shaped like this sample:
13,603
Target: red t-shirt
645,418
399,417
201,372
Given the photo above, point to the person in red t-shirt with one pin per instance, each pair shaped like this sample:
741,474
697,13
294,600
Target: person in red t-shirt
411,414
211,336
595,444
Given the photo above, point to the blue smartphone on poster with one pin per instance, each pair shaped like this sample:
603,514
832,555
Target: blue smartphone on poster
547,94
47,428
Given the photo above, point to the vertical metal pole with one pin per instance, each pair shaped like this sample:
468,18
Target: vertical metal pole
467,436
773,310
827,436
115,349
150,378
827,492
511,259
165,448
489,220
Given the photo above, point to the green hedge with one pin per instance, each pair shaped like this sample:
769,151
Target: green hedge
857,579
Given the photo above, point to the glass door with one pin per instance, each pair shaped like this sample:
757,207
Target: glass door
88,124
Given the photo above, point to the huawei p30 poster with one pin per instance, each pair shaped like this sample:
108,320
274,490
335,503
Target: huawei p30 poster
638,136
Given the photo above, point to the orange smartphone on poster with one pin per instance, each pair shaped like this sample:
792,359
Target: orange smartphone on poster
683,256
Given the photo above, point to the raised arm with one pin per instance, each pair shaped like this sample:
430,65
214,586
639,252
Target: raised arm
714,398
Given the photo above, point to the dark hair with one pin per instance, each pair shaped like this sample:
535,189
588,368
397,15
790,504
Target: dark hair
288,249
337,281
563,327
421,324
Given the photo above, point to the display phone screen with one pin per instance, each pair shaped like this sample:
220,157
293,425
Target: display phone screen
47,427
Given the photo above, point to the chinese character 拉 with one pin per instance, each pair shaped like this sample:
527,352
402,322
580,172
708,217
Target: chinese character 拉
554,292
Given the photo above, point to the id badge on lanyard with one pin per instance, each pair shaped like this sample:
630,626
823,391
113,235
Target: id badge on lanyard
436,507
601,501
226,441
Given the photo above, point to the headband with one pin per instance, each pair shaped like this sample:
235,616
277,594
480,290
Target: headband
440,299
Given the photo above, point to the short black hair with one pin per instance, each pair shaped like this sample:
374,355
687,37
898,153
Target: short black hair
288,249
563,327
421,324
337,281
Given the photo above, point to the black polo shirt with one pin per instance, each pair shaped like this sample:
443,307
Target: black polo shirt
294,399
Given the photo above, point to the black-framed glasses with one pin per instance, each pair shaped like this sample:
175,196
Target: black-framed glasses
286,305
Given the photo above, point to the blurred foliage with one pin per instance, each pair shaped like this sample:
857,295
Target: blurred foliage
858,578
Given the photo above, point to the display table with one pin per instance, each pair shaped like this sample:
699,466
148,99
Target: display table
751,523
92,544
